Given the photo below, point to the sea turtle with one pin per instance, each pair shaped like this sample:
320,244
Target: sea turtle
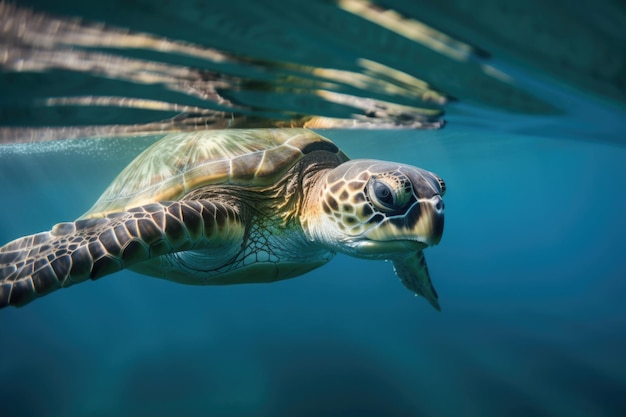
237,206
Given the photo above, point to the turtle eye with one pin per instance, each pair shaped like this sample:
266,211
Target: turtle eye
388,194
383,193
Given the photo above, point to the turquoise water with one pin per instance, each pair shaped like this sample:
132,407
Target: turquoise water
529,274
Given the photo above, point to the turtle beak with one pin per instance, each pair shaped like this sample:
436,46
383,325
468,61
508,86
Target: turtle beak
430,224
426,222
422,223
419,227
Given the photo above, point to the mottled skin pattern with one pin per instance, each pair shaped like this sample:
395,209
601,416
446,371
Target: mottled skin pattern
237,206
73,252
348,199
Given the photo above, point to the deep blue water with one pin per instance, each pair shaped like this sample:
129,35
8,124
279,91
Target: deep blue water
530,274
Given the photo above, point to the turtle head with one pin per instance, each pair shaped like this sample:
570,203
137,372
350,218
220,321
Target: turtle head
378,209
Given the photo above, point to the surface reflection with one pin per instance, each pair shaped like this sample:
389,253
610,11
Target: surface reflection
71,69
249,92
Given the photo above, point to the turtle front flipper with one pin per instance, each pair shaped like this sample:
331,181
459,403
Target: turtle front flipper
35,265
413,273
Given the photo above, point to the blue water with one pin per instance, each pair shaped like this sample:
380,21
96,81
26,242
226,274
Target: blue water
530,275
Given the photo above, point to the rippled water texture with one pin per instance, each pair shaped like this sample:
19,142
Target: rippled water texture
530,270
120,67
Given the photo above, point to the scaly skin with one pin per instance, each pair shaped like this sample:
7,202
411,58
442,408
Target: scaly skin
413,272
36,265
250,206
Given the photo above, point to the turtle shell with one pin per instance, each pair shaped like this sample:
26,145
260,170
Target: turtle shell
182,162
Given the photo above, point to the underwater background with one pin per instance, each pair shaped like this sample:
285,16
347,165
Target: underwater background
530,270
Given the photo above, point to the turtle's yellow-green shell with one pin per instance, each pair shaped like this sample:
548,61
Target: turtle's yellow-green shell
182,162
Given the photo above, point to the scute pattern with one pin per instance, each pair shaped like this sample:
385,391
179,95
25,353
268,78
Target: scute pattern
346,200
237,206
91,248
352,206
182,162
